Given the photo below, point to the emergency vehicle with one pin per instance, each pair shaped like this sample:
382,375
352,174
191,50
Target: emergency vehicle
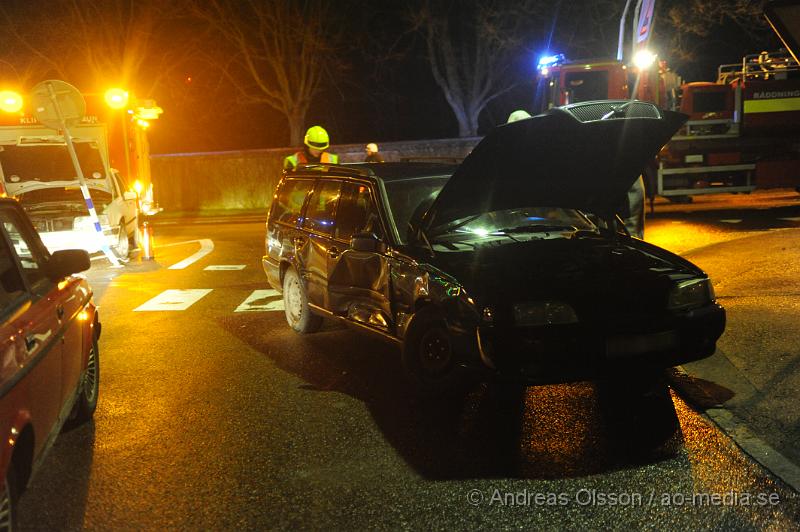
744,128
112,148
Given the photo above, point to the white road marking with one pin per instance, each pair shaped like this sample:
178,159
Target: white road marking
262,301
791,219
732,221
206,247
173,300
225,267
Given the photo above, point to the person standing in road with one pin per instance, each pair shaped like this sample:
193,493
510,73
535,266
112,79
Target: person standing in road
372,153
316,143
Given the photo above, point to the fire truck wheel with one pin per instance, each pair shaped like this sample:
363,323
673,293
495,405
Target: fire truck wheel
122,247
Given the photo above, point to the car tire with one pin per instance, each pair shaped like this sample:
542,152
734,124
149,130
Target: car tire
295,303
9,499
122,248
429,360
86,403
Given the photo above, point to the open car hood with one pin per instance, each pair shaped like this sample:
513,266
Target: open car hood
17,189
583,156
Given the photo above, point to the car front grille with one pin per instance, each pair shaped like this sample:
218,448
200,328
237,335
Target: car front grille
592,111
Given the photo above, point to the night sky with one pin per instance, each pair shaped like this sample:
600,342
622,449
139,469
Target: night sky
381,88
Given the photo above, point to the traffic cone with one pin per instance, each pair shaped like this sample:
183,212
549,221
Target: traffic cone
148,244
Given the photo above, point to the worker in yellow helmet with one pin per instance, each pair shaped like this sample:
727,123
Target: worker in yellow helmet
316,142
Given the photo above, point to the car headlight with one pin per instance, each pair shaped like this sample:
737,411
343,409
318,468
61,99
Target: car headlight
691,294
544,313
83,223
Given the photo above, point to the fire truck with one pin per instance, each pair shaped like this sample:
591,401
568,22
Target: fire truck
743,130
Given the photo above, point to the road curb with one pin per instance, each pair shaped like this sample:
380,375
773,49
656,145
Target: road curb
738,431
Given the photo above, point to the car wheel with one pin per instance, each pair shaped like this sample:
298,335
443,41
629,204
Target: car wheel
122,248
429,359
295,302
86,403
8,500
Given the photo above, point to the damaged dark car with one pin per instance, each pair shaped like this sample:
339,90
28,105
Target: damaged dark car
514,263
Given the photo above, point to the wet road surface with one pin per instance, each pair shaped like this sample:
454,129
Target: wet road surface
216,419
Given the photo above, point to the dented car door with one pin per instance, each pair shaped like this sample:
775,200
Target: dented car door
358,286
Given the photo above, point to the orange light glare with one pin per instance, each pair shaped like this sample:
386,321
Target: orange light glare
116,98
138,187
144,124
10,102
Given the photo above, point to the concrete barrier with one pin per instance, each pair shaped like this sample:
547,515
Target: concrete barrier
246,179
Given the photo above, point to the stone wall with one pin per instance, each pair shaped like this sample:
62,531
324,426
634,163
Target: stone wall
246,179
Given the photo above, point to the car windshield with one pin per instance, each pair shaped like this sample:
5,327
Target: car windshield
410,198
49,162
529,220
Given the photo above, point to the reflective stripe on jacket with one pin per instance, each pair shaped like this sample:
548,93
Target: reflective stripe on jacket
291,161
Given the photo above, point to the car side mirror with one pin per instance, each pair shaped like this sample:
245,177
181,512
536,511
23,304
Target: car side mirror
129,195
368,242
66,262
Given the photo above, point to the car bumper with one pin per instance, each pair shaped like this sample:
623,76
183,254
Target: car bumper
574,353
273,271
79,239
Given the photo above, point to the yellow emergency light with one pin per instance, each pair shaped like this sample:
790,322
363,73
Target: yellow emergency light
10,101
116,98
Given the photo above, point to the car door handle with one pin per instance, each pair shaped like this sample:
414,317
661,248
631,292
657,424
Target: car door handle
60,311
333,252
30,342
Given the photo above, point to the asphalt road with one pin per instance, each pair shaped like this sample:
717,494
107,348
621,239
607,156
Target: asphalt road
211,418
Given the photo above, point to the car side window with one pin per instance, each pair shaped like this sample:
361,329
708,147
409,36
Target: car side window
321,208
357,212
26,246
12,287
289,201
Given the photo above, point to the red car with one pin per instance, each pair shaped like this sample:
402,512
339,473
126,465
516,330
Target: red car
49,372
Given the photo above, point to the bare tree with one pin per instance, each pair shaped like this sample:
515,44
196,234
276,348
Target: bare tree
95,44
470,45
275,52
688,24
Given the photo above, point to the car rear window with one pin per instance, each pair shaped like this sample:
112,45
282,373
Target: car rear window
289,202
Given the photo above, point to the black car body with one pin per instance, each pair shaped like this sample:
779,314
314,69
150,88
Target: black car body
514,262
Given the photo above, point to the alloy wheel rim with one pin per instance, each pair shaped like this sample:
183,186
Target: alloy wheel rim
293,306
435,352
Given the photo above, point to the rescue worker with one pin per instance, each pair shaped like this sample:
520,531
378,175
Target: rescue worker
372,154
316,142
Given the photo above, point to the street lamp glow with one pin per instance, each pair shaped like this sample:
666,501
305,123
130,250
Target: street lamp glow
117,98
644,59
10,101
